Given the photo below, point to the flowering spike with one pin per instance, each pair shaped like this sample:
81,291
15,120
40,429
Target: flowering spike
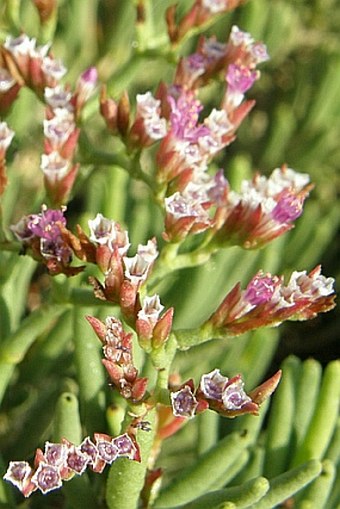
267,301
60,462
221,394
264,210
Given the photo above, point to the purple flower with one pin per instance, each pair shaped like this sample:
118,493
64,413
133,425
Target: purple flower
233,396
77,460
240,78
107,451
21,45
261,289
104,231
58,97
53,68
288,208
44,225
47,478
18,473
55,454
212,384
125,446
194,66
89,448
184,117
184,403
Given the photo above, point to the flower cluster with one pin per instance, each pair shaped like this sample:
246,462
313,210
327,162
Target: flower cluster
23,62
263,210
62,461
267,301
42,235
221,394
118,358
27,64
61,134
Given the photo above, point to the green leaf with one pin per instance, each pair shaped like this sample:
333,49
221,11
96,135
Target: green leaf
323,422
281,420
317,493
15,346
202,474
287,484
236,497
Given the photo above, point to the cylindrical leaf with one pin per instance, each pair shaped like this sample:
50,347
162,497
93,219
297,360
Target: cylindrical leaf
281,419
323,422
287,484
199,477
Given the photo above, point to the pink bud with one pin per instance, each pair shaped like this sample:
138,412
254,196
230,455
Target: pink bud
162,329
98,326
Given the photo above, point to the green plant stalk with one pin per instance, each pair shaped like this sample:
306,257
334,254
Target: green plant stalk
322,425
115,194
126,477
115,416
15,346
281,420
67,425
317,493
90,371
186,338
194,481
287,484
